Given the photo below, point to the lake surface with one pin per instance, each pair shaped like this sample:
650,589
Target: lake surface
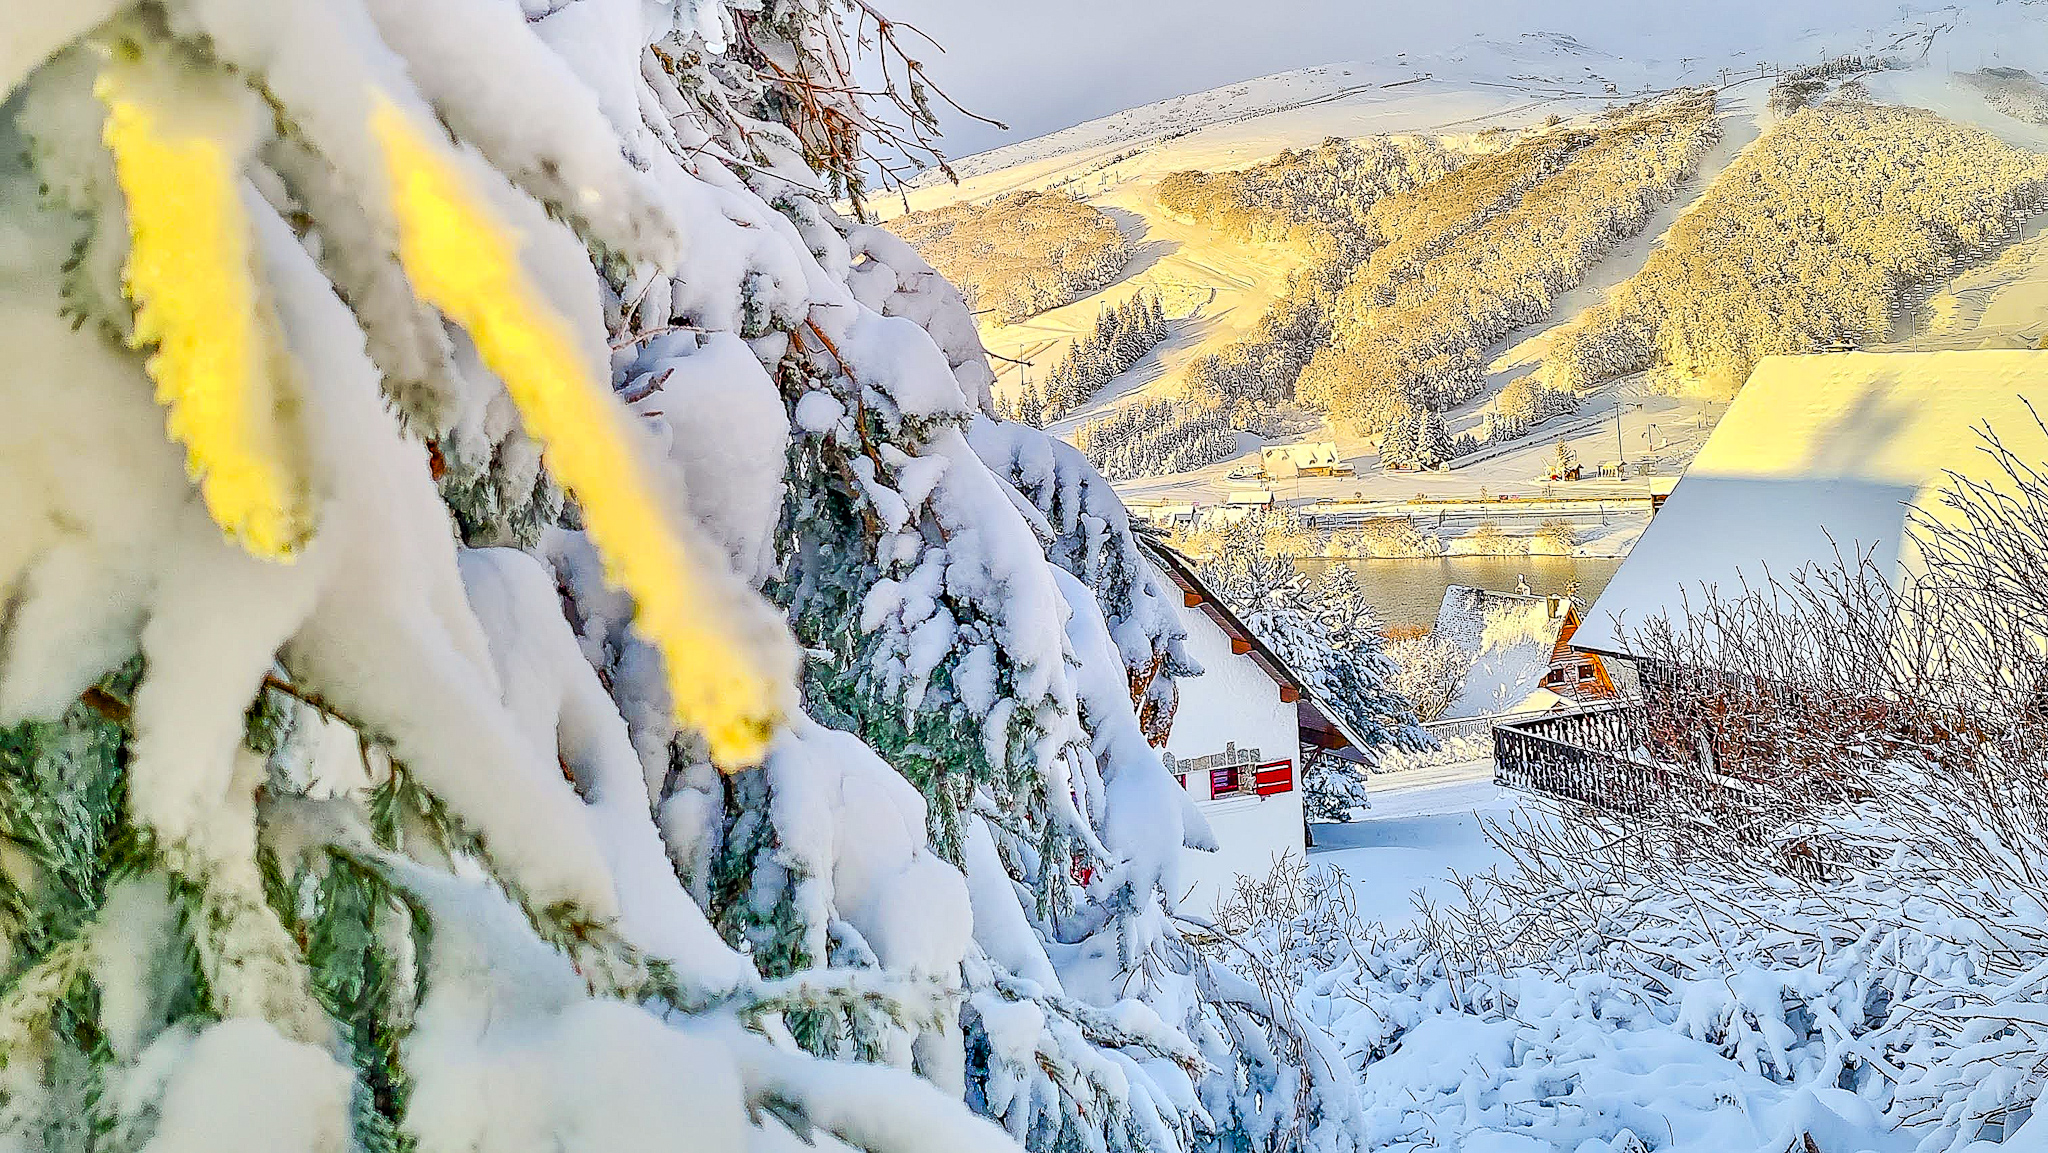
1408,592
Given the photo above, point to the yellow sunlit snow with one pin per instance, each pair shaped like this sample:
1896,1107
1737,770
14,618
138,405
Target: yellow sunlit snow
465,261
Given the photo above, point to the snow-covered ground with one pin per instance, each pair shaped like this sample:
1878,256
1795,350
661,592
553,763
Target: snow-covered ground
1425,825
1543,1059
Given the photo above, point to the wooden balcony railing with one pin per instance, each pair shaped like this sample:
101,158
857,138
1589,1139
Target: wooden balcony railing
1596,756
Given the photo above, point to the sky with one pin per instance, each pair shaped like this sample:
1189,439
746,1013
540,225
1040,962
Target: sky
1041,65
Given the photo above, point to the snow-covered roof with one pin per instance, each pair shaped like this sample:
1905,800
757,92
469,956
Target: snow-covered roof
1819,453
1306,454
1510,640
1319,721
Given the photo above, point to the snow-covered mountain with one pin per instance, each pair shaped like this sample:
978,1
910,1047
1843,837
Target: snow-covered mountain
1573,54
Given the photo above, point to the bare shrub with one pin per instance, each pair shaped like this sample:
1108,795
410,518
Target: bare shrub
1847,768
1429,671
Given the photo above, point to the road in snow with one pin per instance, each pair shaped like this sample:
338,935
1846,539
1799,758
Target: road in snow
1425,824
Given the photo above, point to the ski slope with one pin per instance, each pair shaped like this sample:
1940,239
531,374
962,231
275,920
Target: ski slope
1217,289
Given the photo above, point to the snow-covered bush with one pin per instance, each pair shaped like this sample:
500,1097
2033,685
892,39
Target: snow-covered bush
1430,671
1384,537
1825,930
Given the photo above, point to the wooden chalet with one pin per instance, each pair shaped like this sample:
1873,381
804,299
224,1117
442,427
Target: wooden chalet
1306,458
1819,460
1520,655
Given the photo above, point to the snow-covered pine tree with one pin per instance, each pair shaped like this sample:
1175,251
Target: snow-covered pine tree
378,848
1397,443
237,785
1030,408
1432,439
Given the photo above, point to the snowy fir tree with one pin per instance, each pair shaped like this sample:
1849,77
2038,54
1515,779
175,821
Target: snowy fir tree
522,632
1397,443
1432,440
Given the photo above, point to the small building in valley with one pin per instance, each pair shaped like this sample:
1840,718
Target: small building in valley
1305,458
1240,737
1522,659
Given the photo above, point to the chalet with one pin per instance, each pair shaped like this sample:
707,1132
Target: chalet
1165,514
1819,460
1522,660
1239,504
1240,737
1820,457
1307,458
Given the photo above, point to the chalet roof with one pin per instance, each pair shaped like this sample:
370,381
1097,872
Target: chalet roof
1305,454
1820,455
1320,723
1511,640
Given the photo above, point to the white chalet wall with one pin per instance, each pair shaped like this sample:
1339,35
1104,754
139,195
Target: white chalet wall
1233,701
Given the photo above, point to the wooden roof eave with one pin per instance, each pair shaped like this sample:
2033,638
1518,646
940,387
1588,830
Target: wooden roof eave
1242,640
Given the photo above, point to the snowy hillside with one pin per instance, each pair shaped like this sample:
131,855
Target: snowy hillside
1558,54
1219,290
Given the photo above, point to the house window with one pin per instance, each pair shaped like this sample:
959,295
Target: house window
1585,672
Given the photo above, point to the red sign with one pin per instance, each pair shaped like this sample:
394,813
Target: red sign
1274,777
1223,780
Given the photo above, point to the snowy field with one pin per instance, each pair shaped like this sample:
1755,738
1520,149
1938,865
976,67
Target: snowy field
1531,1061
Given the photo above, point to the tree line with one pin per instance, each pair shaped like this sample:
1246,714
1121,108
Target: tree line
1311,197
1157,437
1491,250
1320,202
1390,318
1810,238
1021,253
1122,336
